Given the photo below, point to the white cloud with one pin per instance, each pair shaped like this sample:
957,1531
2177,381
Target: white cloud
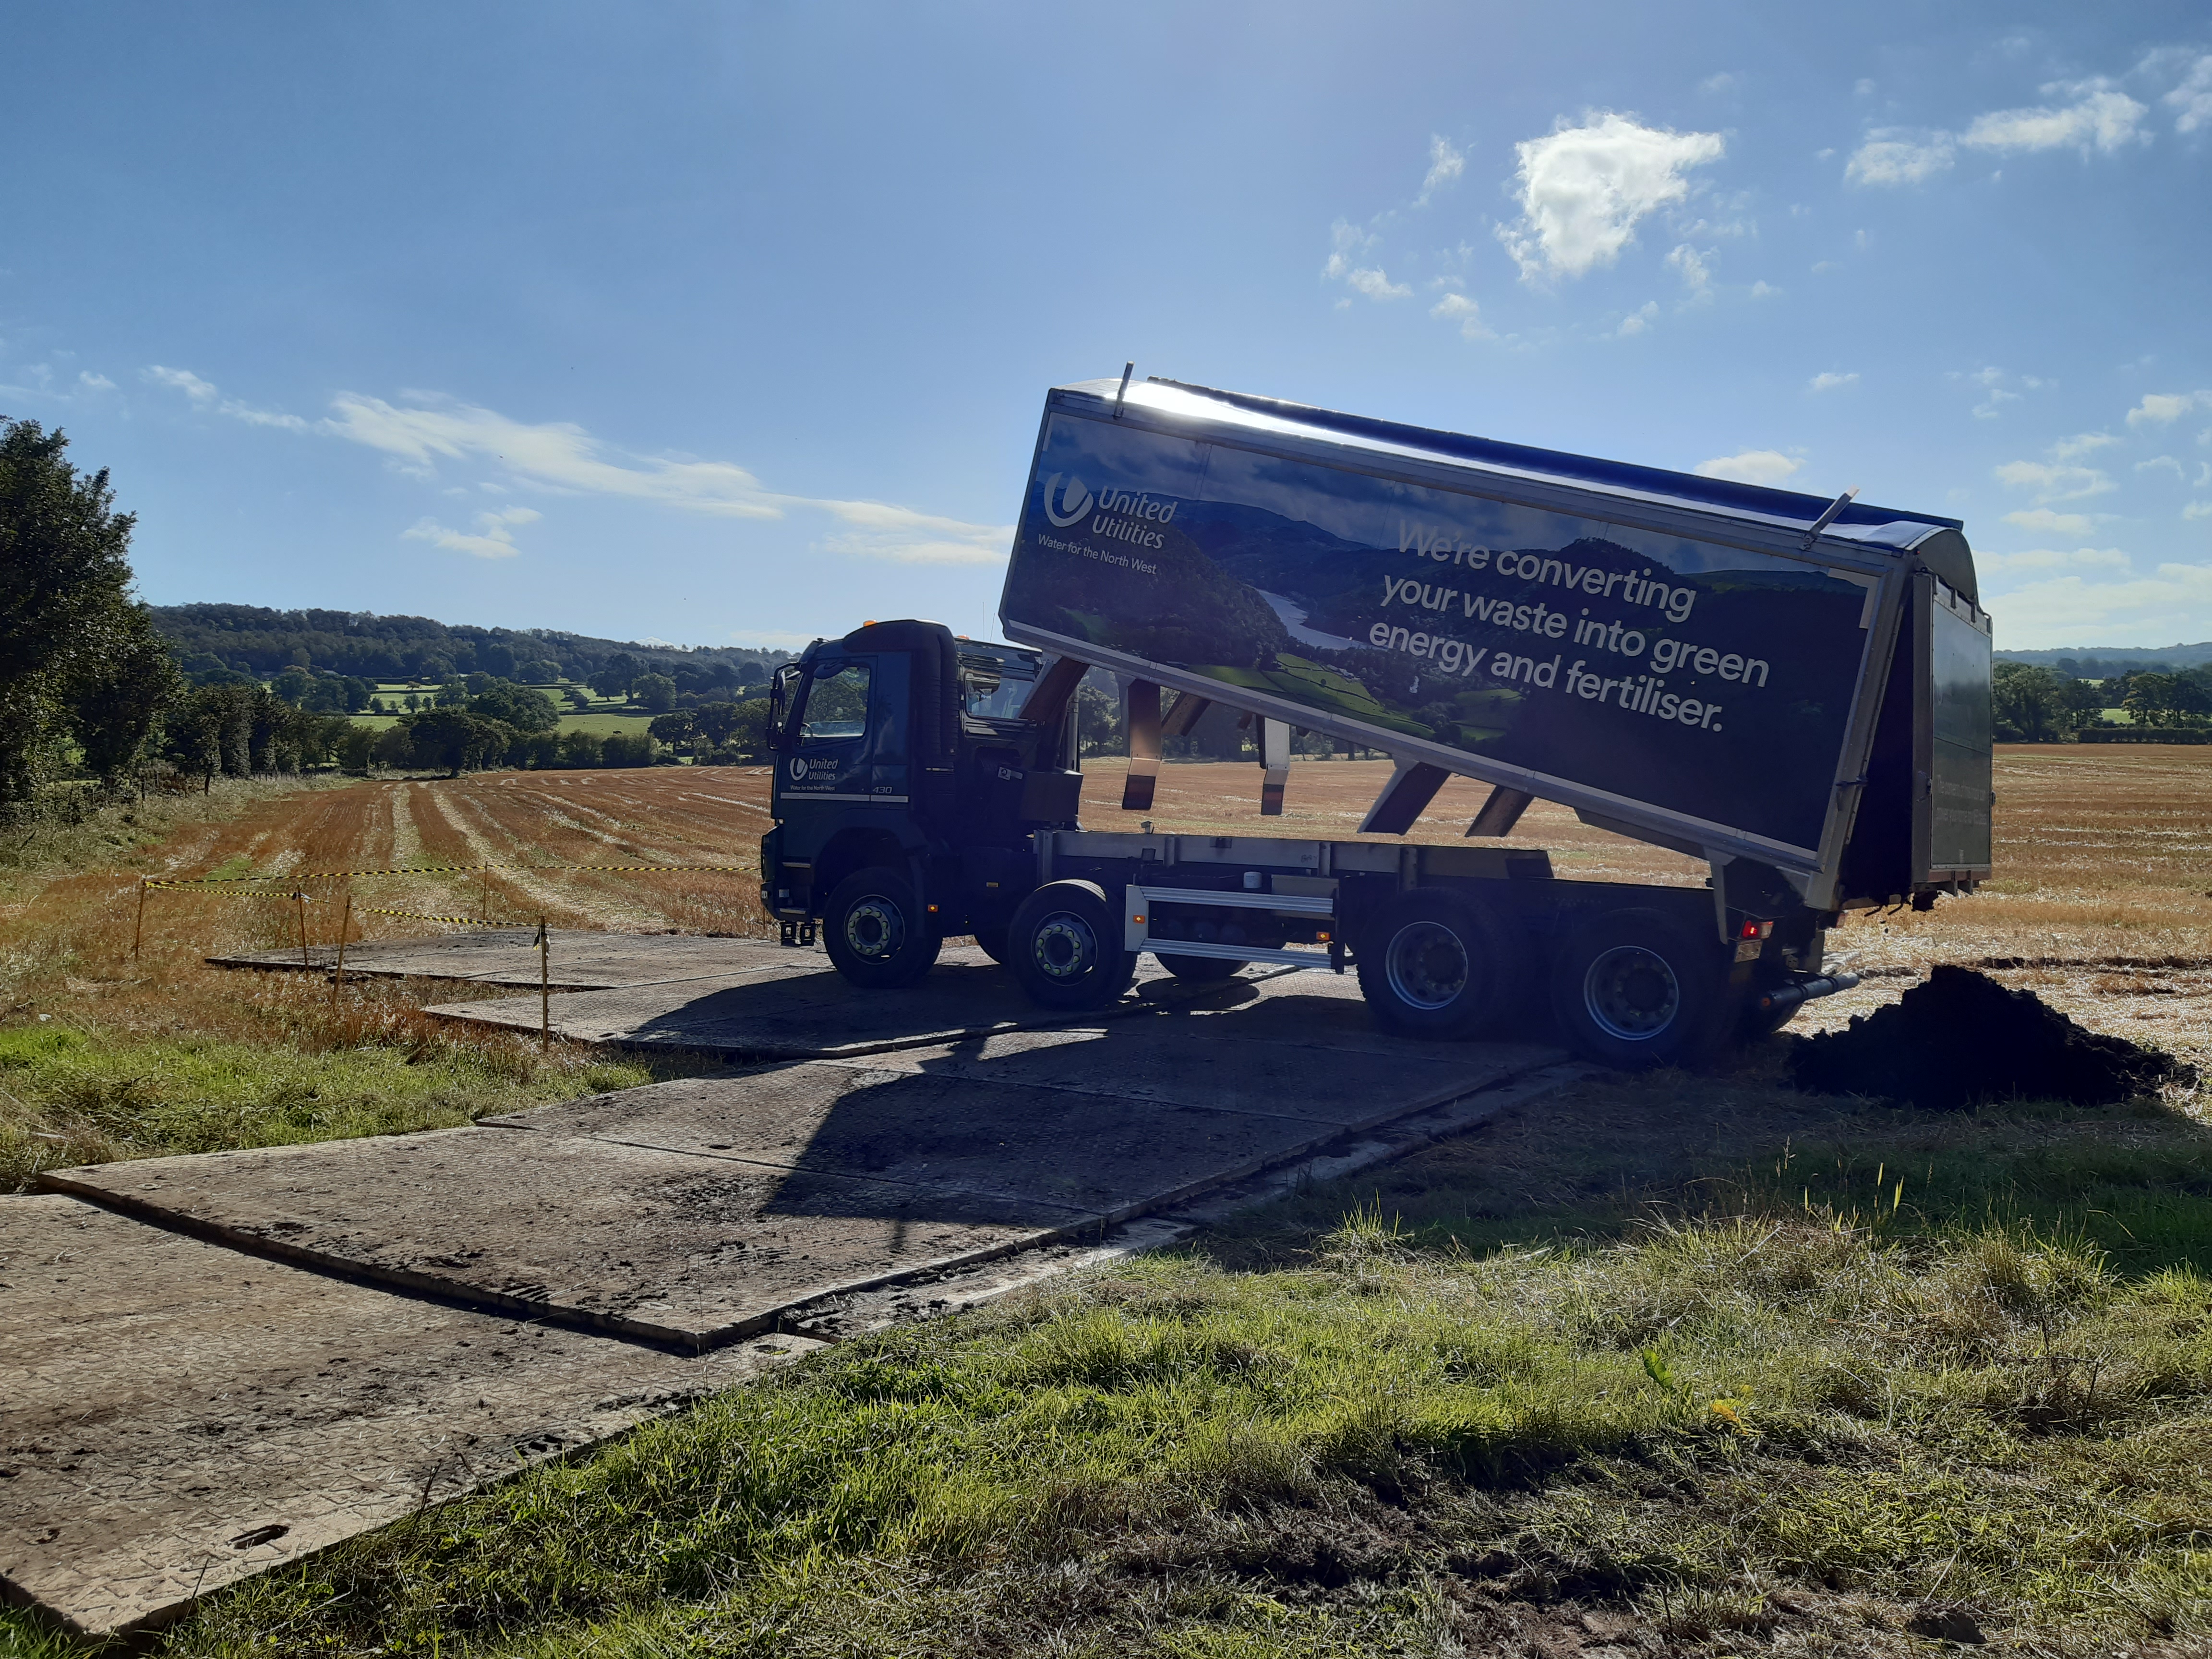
563,457
1639,319
1458,308
2054,484
1696,276
2047,558
2098,118
2197,510
2044,521
1830,382
2180,473
1375,284
1584,189
1723,81
1752,467
495,536
1445,165
2071,610
2163,408
2193,97
1762,290
1348,243
1863,86
2081,444
92,382
182,379
202,392
1894,155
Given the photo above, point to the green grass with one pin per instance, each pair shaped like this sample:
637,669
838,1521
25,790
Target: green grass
1526,1379
71,1095
603,723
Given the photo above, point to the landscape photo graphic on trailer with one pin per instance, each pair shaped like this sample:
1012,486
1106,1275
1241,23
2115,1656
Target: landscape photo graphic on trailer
1709,680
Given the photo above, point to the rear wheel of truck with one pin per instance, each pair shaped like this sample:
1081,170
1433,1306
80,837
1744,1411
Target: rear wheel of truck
1437,964
1065,946
1200,970
1633,989
875,932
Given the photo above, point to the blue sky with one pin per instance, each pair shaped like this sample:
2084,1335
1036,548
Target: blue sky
730,323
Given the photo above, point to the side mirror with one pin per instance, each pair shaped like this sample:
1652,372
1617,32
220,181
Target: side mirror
779,704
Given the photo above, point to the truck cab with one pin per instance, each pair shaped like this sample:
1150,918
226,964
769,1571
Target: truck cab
908,790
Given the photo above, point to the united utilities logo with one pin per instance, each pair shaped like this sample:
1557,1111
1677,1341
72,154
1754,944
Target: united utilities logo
1120,514
1074,501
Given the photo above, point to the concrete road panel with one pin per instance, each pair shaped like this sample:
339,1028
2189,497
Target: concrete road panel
1099,1154
179,1416
579,960
631,1239
815,1015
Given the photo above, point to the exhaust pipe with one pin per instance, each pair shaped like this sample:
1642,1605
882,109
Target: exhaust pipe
1789,996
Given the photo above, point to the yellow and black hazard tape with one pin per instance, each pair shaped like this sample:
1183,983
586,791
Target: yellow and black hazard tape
223,882
420,915
207,892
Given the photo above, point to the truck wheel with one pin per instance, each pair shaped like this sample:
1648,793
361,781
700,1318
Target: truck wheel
1200,970
875,932
1633,989
1436,963
1067,947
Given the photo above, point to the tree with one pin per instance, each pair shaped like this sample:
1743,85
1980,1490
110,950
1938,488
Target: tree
116,701
714,722
65,599
621,749
457,740
656,692
676,729
517,706
2028,702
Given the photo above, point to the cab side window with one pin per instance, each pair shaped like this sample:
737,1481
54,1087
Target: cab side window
836,704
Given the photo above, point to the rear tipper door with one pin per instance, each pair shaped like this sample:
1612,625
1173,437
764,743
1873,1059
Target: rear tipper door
1688,674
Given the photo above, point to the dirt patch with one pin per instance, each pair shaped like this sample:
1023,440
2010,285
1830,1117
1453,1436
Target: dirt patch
1962,1038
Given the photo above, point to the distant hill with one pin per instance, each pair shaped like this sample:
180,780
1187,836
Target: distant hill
2102,662
259,641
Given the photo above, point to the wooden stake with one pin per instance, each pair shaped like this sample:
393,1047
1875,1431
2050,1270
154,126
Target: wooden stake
544,987
345,926
139,932
302,897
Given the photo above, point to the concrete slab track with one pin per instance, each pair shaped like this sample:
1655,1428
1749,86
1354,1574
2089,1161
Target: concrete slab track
578,961
924,1134
761,1014
177,1416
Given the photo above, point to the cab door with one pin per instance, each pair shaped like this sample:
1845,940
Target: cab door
848,738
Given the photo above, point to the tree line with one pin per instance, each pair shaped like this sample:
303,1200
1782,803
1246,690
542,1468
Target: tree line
2035,704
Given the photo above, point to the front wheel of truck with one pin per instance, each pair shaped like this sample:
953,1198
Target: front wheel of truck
1630,988
1066,947
876,930
1437,964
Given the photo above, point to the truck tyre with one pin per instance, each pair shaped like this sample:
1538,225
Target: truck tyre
876,930
1633,989
1067,947
1200,970
1437,964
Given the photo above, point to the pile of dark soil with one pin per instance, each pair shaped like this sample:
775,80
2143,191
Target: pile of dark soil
1962,1038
